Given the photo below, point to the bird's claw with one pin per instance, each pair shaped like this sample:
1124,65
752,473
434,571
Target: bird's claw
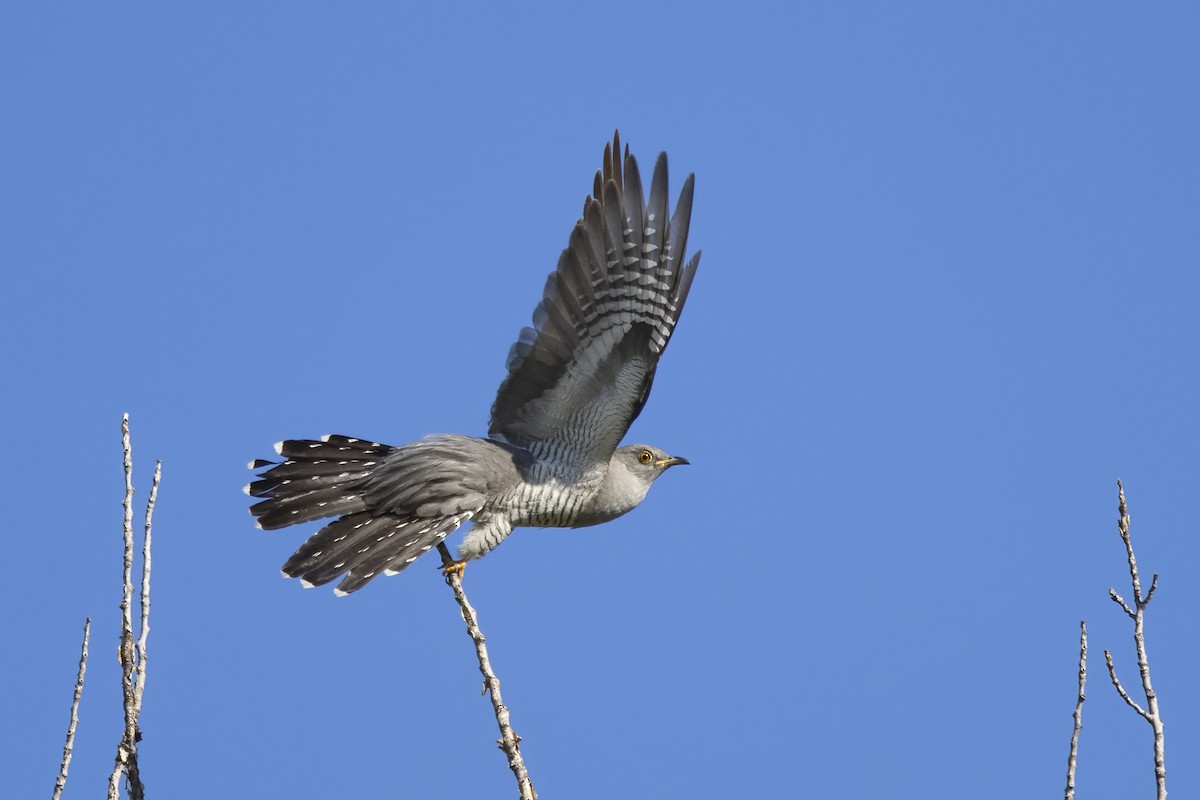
453,568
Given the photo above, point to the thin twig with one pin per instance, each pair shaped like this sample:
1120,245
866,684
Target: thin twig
1116,598
1112,674
61,782
144,633
509,741
1153,586
1078,711
1150,713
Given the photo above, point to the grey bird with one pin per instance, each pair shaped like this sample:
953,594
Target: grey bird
576,381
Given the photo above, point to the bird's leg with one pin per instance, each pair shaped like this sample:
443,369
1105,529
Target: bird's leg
449,565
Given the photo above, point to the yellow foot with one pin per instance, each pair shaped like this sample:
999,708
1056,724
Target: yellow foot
455,568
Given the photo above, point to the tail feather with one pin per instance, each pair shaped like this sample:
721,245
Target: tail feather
317,468
391,510
340,546
294,479
292,510
330,447
361,546
393,554
320,478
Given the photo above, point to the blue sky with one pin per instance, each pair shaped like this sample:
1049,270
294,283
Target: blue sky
949,294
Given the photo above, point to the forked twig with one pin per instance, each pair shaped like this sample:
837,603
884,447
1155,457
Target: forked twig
133,652
1150,713
509,741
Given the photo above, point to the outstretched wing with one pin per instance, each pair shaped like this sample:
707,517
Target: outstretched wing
579,377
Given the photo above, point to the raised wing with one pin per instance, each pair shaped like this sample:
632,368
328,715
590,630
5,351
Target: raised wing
579,377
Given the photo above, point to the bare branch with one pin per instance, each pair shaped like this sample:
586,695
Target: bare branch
1112,673
126,647
1150,594
1123,529
1151,712
61,782
509,740
144,633
1070,792
132,654
1116,598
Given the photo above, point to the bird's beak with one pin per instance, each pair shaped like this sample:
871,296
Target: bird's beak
671,461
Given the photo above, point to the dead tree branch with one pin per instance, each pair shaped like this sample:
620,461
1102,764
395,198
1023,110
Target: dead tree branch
509,741
1071,759
1116,682
69,747
1137,612
133,652
147,533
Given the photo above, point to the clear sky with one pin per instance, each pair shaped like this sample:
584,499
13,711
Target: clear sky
949,295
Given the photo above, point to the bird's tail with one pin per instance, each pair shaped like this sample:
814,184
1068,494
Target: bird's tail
330,477
317,478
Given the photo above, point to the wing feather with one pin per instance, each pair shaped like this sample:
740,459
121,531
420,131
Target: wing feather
579,377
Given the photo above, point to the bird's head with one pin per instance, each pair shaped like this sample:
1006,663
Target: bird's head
631,471
646,460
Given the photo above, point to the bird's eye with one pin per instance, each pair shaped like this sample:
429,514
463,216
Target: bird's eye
645,457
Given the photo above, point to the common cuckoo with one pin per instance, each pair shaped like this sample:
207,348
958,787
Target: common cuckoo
576,381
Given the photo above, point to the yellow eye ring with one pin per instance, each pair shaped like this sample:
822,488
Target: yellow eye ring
646,457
